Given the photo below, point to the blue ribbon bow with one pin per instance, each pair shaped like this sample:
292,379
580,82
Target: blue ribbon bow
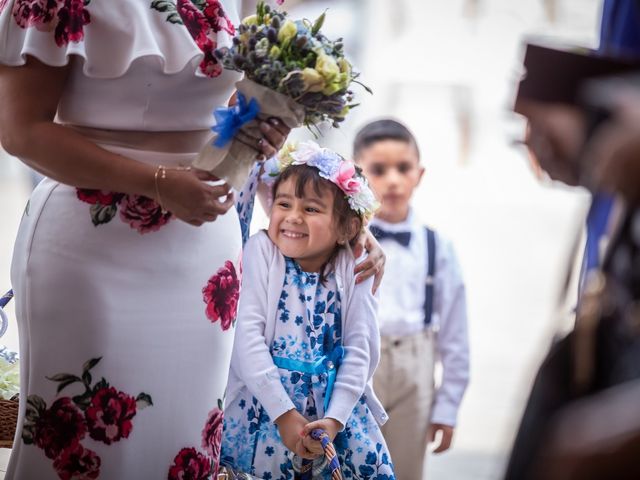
325,364
229,120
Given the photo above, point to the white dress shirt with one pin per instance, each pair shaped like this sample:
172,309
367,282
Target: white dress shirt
401,307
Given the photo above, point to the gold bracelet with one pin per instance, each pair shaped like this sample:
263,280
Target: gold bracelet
162,171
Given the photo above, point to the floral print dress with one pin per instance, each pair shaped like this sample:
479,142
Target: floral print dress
126,315
309,326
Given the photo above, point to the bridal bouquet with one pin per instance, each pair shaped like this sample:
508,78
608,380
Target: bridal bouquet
291,71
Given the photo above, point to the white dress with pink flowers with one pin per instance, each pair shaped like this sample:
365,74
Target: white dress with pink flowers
125,313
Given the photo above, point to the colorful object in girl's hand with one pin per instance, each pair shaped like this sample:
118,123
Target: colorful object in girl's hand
329,453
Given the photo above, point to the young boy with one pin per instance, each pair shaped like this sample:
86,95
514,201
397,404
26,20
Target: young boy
422,310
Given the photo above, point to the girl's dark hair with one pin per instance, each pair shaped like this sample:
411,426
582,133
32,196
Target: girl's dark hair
342,213
380,130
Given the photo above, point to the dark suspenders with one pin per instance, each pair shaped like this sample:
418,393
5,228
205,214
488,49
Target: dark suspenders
430,278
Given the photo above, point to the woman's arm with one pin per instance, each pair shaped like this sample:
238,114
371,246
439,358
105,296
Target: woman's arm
373,265
29,96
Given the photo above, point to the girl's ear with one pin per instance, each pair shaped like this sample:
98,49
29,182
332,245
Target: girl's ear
353,229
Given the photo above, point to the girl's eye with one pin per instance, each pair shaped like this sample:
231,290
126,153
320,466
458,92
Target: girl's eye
283,204
312,210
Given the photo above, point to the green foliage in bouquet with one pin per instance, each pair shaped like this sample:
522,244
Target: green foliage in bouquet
9,374
294,58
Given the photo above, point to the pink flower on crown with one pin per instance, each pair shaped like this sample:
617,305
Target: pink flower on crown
346,180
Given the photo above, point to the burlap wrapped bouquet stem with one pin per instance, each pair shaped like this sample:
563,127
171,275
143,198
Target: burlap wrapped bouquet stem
233,162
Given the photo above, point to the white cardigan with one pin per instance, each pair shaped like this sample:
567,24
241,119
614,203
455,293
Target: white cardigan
251,362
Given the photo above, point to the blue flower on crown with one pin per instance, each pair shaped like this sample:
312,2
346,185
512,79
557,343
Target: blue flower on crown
327,163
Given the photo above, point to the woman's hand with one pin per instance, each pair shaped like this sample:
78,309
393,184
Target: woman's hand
373,264
290,427
186,194
274,134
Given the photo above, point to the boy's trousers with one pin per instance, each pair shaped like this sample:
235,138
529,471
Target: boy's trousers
404,384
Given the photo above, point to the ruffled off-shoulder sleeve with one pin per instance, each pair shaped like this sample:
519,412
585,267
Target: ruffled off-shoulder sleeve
110,34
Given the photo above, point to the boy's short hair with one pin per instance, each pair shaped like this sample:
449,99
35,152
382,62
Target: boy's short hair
380,130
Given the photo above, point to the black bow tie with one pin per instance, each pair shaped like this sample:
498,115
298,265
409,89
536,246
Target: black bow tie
403,238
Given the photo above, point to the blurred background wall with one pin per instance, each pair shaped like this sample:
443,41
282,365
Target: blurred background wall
449,70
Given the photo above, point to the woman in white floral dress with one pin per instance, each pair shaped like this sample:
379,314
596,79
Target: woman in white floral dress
126,275
125,309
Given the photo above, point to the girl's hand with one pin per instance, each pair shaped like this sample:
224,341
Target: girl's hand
374,263
329,425
290,426
186,194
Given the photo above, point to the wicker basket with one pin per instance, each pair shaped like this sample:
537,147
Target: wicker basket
8,421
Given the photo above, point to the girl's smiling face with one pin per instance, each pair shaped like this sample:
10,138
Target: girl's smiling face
304,228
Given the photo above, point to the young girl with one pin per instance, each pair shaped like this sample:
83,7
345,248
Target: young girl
307,340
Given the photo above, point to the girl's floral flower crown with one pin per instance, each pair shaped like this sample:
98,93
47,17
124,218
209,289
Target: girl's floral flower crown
332,167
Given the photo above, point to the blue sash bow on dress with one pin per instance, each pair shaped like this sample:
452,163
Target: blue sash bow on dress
327,364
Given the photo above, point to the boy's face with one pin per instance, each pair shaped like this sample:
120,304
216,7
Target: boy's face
393,170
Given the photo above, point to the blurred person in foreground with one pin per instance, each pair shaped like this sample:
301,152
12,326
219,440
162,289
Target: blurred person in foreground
581,420
423,314
557,132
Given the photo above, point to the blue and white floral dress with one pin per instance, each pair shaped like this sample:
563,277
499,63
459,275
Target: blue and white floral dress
309,327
